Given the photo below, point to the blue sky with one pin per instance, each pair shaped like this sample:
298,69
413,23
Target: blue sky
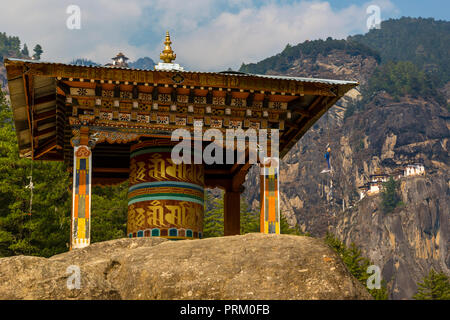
438,9
207,35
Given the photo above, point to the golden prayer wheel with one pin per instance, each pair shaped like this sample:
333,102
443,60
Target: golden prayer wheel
164,199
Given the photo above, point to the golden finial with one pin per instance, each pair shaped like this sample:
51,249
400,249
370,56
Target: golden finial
167,54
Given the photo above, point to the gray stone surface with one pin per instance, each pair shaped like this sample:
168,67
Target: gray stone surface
252,266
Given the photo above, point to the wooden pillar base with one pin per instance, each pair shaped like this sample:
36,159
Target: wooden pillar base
232,213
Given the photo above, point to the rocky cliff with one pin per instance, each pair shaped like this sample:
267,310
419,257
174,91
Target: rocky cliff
253,266
407,241
387,134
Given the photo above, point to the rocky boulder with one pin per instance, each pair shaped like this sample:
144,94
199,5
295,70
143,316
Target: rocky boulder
252,266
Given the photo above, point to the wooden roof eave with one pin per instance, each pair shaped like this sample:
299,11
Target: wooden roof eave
205,79
20,110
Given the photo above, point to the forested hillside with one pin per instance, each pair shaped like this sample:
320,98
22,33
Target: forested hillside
424,42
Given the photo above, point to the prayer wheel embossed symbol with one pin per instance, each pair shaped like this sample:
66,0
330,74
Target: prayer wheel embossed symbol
164,199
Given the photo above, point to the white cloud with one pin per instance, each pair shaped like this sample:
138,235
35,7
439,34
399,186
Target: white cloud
207,35
253,34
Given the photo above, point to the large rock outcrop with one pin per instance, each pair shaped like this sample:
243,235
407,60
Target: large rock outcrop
252,266
407,242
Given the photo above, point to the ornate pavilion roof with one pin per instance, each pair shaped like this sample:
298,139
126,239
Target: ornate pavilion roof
49,98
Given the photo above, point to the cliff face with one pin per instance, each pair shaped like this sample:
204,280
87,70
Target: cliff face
408,241
253,266
386,135
303,189
336,64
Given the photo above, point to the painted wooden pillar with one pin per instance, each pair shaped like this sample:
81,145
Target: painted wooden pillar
232,213
164,199
81,197
270,195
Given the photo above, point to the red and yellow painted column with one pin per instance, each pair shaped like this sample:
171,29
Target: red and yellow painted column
269,194
164,199
81,197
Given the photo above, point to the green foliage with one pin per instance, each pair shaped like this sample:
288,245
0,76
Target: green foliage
390,198
109,212
46,231
412,62
283,61
249,218
285,228
356,264
213,218
400,79
37,52
25,51
9,46
435,286
424,42
413,54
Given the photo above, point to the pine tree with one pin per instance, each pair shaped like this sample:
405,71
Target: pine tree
45,230
389,195
109,212
285,228
213,218
249,218
37,52
356,264
25,51
435,286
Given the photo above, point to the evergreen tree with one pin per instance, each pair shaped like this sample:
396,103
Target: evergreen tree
109,212
356,264
44,231
25,51
9,46
285,228
249,218
389,195
213,218
37,52
435,286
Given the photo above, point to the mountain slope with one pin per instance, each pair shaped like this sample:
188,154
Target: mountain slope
371,130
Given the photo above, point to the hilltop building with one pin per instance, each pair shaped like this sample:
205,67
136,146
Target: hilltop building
376,180
414,170
120,60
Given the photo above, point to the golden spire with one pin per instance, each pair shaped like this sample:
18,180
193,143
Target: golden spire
167,54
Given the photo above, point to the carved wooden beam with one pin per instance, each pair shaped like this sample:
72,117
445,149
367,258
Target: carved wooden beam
64,87
45,115
45,99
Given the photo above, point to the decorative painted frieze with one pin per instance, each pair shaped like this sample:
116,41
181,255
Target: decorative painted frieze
220,101
108,93
182,98
145,96
82,92
216,123
238,102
